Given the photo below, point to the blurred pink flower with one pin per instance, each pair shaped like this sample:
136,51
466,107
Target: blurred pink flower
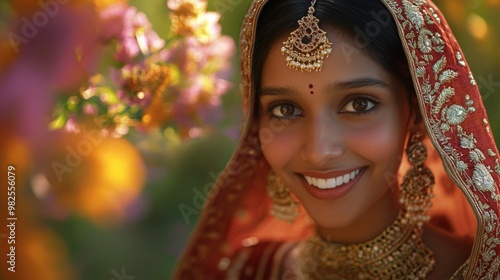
25,105
66,47
194,58
132,99
90,109
136,37
199,104
72,125
205,67
180,85
221,51
46,63
112,21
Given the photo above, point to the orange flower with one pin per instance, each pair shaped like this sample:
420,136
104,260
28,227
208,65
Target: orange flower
24,7
35,246
7,54
15,151
157,113
29,7
101,4
189,18
95,175
40,254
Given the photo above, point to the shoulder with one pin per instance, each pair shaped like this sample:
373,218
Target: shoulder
450,252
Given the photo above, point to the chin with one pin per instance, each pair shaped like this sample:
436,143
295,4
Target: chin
334,223
335,219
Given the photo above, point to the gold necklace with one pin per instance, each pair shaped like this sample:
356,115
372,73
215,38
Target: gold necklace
397,253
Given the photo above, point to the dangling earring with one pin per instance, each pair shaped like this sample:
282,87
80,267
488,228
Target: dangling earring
416,189
284,206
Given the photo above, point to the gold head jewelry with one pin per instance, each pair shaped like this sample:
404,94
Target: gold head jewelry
284,206
398,253
307,46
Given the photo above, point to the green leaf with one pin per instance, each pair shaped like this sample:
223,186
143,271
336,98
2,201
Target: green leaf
59,122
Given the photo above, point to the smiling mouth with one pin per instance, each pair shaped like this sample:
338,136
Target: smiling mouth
331,183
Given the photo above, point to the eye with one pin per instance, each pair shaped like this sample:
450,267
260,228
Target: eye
285,111
359,105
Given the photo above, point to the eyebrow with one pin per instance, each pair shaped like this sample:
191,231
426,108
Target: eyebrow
276,91
356,83
332,87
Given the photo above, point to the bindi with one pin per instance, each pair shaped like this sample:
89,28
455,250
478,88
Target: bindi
311,86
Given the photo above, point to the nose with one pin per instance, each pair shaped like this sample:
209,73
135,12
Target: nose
323,141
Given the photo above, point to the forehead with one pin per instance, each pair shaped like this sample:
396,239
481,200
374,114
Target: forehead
346,62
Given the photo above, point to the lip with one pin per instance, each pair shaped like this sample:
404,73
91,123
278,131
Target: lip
335,192
330,174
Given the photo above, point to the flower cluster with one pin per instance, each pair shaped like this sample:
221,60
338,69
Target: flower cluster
154,83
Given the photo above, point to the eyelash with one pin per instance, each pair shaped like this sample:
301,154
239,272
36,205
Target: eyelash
275,105
369,98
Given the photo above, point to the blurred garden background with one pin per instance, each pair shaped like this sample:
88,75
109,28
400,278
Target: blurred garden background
117,115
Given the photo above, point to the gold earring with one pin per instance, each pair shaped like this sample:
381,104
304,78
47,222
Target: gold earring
284,206
416,189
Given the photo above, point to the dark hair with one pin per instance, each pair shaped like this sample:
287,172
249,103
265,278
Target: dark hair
366,23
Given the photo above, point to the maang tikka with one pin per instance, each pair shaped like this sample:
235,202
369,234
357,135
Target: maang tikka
307,46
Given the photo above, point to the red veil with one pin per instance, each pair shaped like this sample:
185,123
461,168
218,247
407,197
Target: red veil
463,156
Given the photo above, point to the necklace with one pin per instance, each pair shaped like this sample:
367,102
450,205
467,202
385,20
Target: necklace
397,253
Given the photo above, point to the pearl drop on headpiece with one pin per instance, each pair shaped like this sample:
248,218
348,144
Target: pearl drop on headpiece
307,46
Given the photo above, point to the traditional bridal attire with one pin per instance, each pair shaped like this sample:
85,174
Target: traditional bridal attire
237,238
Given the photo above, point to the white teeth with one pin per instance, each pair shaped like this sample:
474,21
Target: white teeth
308,179
346,178
332,182
338,181
322,183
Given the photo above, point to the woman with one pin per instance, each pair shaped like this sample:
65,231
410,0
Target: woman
342,99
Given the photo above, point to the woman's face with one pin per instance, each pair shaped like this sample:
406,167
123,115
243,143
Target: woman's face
335,137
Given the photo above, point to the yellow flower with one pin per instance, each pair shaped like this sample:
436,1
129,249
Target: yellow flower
187,8
95,175
189,18
101,4
154,79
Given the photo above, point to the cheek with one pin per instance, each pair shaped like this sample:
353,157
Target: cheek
382,143
278,144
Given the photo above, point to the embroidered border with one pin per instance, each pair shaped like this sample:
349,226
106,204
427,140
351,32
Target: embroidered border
445,116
